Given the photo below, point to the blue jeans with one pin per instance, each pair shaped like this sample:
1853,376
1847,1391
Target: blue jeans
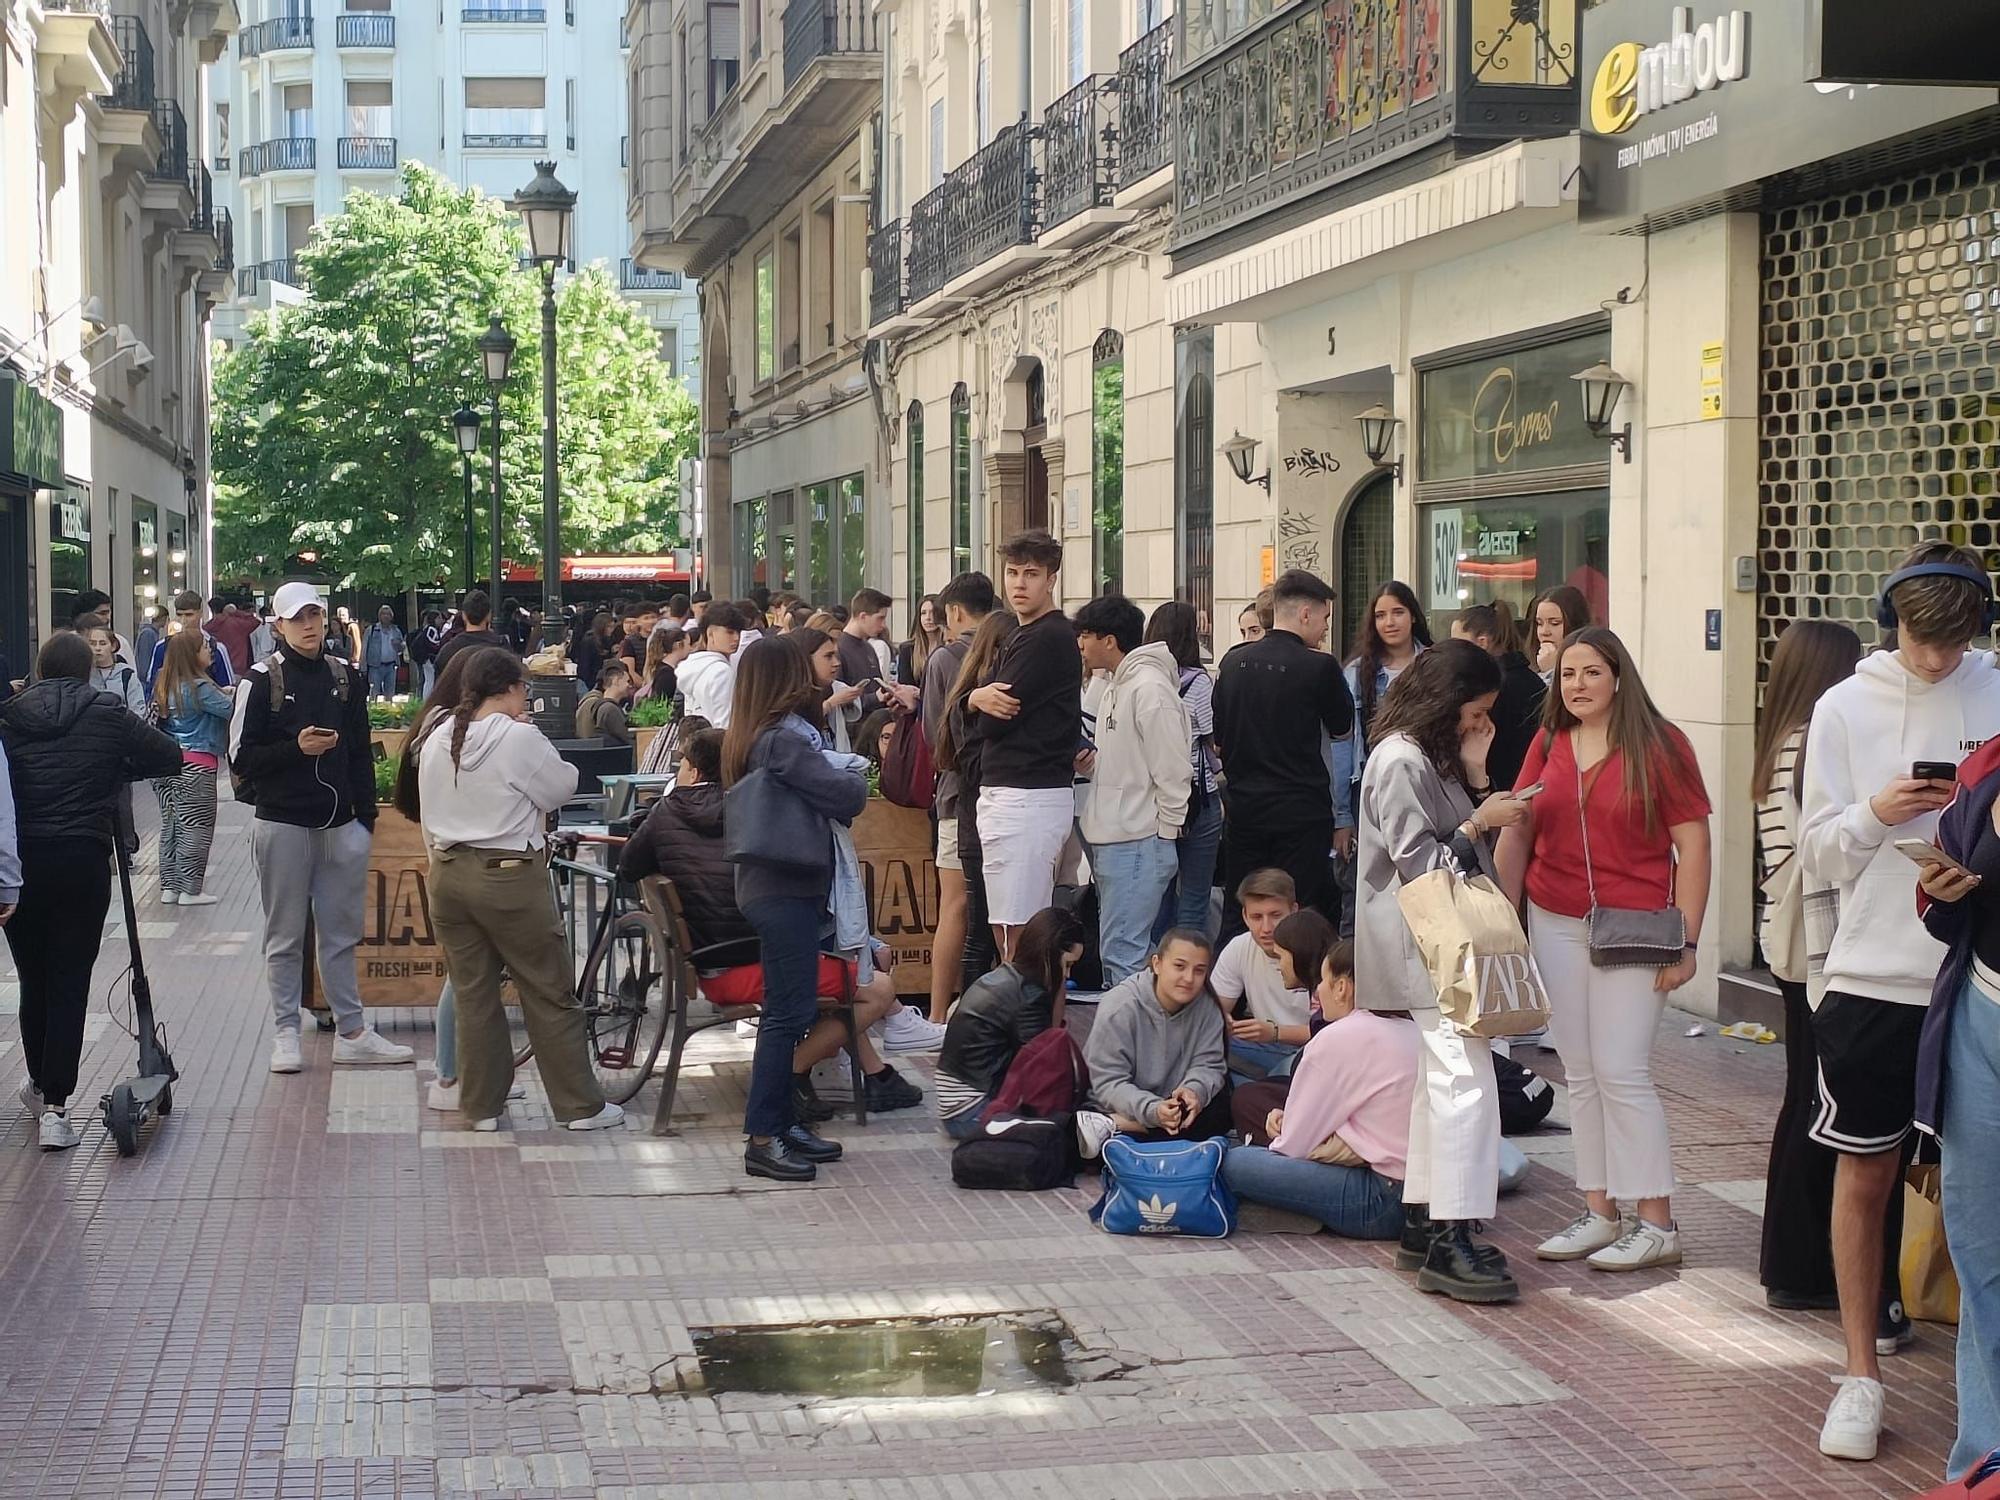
964,1125
788,931
1186,903
1358,1202
1132,877
382,680
1970,1183
447,1030
1277,1059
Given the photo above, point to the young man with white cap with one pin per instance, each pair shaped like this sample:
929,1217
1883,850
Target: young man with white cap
300,737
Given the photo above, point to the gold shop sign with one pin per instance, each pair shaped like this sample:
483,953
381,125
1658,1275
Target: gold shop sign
1508,413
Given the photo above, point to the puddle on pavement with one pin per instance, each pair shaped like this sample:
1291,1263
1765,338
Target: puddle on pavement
932,1358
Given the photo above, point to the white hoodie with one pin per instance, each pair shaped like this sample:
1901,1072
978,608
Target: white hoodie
1866,732
707,684
1140,786
507,781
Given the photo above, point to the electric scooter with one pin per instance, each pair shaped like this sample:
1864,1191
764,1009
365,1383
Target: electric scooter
131,1103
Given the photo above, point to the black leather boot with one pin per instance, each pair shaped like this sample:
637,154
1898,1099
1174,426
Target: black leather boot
806,1102
1463,1270
803,1144
1416,1246
777,1160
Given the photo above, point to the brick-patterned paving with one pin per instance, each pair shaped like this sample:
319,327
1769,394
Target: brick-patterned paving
315,1287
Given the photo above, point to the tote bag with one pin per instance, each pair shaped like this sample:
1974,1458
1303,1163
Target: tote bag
1470,939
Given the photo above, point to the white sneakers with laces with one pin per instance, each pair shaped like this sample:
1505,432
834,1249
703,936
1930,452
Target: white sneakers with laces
57,1132
1640,1247
604,1119
30,1097
285,1054
1092,1131
202,898
1853,1426
906,1029
1586,1234
370,1049
170,898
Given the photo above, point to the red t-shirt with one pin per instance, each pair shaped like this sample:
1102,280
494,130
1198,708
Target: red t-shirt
1634,868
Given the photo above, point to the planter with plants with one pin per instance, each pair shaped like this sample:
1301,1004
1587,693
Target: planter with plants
389,721
647,719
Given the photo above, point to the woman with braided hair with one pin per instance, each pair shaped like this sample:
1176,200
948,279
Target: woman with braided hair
488,780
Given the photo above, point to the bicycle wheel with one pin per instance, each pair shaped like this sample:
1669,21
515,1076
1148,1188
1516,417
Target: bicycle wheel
624,998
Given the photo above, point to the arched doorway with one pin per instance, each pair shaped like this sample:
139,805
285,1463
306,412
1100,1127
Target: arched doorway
1367,552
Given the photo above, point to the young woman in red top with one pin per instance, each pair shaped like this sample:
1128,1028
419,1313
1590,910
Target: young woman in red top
1621,821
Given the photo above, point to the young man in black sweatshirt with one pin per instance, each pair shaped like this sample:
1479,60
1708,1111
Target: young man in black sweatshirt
312,764
1028,716
1279,701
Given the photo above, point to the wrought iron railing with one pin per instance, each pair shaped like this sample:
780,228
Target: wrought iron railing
133,87
364,29
985,205
287,153
366,153
284,271
484,14
639,279
279,34
172,164
885,265
1079,151
1145,107
488,141
826,28
202,219
225,236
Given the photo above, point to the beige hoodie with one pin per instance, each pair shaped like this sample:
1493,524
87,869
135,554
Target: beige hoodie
1140,787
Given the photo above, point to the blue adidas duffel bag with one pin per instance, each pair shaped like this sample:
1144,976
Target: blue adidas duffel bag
1165,1187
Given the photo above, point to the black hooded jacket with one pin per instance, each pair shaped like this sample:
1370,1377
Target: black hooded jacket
681,838
70,748
307,791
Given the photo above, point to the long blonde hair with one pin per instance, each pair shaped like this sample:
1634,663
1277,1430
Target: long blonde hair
180,670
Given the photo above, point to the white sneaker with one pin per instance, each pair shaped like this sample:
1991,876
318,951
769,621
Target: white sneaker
31,1097
1092,1131
746,1031
206,898
486,1127
444,1096
59,1135
169,898
605,1119
1586,1234
370,1049
1853,1425
285,1054
1640,1246
906,1029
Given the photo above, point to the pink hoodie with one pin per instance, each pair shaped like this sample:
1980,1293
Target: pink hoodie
1356,1079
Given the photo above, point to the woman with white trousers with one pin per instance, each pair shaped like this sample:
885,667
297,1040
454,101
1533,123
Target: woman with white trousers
1621,821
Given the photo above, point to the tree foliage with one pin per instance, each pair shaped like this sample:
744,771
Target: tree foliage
332,423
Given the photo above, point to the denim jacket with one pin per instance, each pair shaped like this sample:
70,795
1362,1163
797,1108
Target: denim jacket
199,718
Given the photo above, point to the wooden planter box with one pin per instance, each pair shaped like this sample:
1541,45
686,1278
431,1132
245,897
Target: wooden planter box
388,742
642,741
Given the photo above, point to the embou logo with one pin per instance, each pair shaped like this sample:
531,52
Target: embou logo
1633,80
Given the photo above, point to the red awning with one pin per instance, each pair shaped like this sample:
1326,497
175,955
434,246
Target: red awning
607,569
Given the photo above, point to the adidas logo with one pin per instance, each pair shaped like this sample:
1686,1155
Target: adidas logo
1158,1216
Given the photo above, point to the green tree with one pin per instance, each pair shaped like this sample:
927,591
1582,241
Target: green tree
332,430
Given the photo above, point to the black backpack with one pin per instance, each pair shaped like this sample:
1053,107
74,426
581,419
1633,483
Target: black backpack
241,787
1024,1156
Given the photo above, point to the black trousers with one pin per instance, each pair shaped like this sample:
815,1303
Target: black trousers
980,956
1301,848
54,935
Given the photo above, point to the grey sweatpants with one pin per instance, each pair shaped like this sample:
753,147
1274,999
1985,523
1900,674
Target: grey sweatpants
321,872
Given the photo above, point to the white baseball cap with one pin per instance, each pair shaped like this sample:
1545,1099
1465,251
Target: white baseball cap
292,598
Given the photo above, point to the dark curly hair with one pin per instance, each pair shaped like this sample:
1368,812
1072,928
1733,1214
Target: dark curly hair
1423,703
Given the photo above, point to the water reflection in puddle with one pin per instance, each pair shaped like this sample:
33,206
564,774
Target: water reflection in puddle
940,1358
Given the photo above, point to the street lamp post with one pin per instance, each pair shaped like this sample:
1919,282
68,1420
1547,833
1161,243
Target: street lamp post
496,350
465,425
547,208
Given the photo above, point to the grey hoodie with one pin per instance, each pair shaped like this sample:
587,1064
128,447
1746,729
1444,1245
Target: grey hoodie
1138,1054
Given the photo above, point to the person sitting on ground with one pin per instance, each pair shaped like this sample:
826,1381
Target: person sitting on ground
681,837
1155,1052
1301,943
999,1014
1249,977
601,714
1340,1145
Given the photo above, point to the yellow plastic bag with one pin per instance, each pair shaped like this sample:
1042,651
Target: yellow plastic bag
1930,1285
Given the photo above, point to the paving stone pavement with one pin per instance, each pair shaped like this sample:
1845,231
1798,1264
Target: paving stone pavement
313,1286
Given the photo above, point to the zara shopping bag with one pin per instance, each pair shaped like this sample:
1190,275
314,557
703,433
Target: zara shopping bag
1470,939
1165,1187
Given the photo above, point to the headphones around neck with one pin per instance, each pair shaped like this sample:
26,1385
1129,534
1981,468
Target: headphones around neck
1885,610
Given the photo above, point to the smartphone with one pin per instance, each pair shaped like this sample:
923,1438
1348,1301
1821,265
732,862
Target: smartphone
1934,770
1923,853
1527,793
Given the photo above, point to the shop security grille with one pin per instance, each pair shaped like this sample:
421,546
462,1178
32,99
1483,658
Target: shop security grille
1880,402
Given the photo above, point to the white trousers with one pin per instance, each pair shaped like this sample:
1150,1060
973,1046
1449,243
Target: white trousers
1603,1022
1454,1159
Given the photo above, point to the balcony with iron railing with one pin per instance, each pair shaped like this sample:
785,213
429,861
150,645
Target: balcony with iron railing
133,87
285,153
1145,107
363,29
816,29
988,204
486,140
638,279
284,272
172,163
885,272
286,33
504,15
202,220
1079,151
1274,109
225,236
365,153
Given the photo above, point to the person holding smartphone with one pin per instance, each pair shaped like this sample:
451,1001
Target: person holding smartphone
299,742
1876,742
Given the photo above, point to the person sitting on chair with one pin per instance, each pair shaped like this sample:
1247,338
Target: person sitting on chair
681,838
601,714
